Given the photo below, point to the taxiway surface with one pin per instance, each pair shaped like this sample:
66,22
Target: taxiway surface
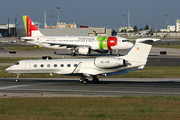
53,87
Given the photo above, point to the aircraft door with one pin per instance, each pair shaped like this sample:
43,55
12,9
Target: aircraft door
27,65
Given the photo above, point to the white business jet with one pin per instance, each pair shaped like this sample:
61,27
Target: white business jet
80,44
105,66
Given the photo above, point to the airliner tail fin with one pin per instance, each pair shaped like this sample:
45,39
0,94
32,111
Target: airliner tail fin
30,28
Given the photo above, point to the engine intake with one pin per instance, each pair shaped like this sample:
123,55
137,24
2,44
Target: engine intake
105,62
84,50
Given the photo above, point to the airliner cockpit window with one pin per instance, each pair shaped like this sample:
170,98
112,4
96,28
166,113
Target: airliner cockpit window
125,41
17,63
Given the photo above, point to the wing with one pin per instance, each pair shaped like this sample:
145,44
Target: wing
62,44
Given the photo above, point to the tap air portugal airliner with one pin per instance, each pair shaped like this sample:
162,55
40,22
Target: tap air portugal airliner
80,44
135,60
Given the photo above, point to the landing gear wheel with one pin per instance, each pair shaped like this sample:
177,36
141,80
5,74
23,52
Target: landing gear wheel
85,81
118,54
18,76
73,54
96,80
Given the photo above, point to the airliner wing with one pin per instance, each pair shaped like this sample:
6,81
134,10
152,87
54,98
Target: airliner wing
63,44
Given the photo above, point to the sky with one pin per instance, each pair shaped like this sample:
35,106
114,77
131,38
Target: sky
94,13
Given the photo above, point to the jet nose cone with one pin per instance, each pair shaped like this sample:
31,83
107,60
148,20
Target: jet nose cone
8,69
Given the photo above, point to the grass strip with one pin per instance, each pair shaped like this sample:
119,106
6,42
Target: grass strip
26,48
14,59
168,46
147,72
86,108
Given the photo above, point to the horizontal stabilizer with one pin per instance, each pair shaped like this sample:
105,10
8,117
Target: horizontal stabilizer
122,72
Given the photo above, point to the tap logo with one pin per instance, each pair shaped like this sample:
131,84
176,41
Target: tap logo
107,42
29,25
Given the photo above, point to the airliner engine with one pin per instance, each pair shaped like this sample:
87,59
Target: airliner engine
84,50
105,62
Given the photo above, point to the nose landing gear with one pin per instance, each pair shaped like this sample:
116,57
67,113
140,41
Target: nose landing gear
18,76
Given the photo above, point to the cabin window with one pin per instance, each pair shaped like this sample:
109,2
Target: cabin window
17,63
75,65
42,65
48,65
62,65
35,65
69,65
55,65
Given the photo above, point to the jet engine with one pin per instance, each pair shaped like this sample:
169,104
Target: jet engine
84,50
105,62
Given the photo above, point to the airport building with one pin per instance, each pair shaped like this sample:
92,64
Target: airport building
177,25
7,30
77,32
170,28
126,28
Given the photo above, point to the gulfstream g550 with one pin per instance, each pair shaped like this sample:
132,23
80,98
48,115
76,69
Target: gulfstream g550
136,58
81,44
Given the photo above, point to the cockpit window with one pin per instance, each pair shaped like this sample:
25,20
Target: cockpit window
125,41
17,63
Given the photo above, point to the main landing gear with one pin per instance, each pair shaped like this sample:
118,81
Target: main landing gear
73,52
85,81
118,52
18,76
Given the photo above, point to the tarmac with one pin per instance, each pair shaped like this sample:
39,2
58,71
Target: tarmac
108,87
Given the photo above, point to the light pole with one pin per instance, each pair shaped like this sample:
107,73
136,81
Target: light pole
166,21
58,16
124,21
128,19
50,16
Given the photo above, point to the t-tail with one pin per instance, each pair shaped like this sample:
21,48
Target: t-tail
30,28
140,51
137,56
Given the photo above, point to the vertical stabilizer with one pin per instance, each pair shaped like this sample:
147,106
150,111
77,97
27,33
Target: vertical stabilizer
140,51
30,28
